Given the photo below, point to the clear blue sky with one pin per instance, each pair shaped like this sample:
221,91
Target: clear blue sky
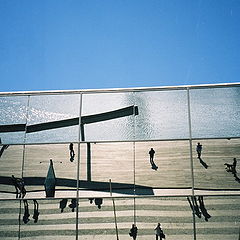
86,44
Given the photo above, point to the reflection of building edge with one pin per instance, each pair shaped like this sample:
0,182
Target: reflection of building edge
50,181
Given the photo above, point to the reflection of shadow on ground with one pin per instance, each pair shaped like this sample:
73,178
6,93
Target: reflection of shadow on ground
154,166
3,148
203,163
92,185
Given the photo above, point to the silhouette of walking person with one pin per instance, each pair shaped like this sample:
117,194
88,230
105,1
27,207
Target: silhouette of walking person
199,150
98,202
72,154
133,232
231,167
194,206
151,154
26,212
159,232
203,209
63,204
35,211
73,204
19,186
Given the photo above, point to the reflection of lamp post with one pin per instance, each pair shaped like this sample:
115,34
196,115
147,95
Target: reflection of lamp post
123,112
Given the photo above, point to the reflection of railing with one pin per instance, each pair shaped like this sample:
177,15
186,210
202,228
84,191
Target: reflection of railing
123,112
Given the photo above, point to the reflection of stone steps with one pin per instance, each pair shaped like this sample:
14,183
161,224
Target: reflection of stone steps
173,213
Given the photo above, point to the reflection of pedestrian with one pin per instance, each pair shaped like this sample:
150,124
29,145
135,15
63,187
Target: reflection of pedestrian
63,204
199,150
159,232
72,154
194,206
133,232
234,165
203,209
26,212
35,211
73,204
98,202
19,186
151,153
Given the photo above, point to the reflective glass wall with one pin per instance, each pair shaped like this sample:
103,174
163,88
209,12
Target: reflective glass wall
92,163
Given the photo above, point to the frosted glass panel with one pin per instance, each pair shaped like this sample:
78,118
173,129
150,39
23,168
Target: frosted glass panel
215,112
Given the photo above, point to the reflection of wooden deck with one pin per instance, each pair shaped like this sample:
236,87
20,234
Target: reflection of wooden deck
116,161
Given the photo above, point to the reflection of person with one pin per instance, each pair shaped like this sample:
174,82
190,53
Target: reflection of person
199,150
203,209
151,153
63,204
98,202
159,232
35,211
133,232
19,186
26,212
231,167
73,204
72,154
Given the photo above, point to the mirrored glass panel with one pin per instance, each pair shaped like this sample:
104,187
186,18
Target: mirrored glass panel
53,118
213,163
98,222
163,164
108,117
103,161
219,219
9,219
215,112
11,167
50,171
173,214
162,115
45,219
13,114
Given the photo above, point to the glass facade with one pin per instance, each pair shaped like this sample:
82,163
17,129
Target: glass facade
89,164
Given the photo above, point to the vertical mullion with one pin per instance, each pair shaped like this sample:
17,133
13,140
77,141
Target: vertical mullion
191,158
78,164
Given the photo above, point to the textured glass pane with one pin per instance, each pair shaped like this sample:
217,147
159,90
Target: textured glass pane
11,164
51,223
37,169
170,167
211,170
219,219
13,111
173,213
50,108
215,112
119,128
9,223
162,115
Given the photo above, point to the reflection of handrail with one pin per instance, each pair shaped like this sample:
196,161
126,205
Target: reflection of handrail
127,111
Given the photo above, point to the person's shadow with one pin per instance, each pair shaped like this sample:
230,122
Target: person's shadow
203,163
154,166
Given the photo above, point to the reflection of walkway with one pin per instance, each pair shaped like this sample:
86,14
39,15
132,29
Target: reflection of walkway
173,213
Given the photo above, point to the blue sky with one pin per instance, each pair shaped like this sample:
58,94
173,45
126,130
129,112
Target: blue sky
89,44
